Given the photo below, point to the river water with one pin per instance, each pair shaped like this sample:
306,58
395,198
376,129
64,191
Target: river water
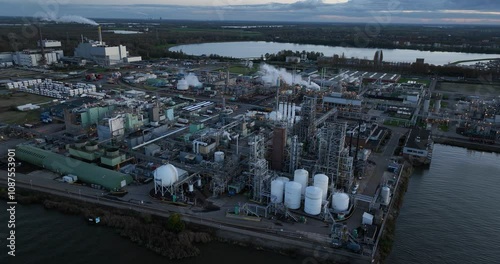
254,49
449,215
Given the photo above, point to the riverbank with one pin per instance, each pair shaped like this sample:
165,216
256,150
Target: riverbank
146,230
388,228
464,143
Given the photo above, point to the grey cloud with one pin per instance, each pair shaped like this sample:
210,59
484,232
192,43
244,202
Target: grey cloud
307,10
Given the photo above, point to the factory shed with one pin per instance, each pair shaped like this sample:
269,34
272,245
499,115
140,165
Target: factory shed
87,173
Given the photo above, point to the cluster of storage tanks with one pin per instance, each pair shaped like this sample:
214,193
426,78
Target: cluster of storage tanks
51,88
291,193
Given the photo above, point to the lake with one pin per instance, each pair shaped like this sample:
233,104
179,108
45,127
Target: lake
254,49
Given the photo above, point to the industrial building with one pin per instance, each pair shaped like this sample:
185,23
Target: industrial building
103,54
418,146
33,58
87,173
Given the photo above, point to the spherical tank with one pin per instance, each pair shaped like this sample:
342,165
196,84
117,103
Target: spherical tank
313,201
292,194
182,85
277,190
301,176
219,156
166,175
385,195
340,201
283,179
321,181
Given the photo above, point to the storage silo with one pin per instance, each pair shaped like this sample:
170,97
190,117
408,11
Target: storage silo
283,179
313,200
321,181
182,85
219,156
277,190
427,104
437,106
385,194
292,195
301,176
340,201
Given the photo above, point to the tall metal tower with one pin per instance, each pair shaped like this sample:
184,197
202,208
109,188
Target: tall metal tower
259,176
294,154
333,156
306,128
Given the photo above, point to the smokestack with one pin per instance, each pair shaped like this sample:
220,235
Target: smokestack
100,34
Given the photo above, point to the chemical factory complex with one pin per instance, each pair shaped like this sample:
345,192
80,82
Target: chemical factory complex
285,159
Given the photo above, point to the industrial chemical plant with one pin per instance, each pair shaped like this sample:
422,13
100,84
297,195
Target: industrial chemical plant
300,156
305,155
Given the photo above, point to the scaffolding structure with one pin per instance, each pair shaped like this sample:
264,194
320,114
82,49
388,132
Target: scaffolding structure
333,157
294,154
258,170
306,128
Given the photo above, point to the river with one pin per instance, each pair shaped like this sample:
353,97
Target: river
254,49
450,212
449,215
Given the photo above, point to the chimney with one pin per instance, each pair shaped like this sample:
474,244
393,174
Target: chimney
100,34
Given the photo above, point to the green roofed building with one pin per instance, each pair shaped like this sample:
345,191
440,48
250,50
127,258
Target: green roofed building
87,173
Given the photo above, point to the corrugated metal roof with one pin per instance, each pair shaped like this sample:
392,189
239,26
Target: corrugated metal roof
88,173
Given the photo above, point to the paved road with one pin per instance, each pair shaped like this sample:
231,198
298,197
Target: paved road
382,160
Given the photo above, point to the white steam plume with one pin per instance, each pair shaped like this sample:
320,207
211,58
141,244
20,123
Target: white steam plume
271,74
192,80
69,19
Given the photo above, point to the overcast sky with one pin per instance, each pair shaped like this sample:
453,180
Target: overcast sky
364,11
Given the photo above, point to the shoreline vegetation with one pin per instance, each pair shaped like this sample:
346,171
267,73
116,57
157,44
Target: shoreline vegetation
388,236
171,238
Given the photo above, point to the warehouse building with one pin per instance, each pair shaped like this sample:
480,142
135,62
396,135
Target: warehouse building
87,173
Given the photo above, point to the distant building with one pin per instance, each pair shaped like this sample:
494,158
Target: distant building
292,59
33,58
103,54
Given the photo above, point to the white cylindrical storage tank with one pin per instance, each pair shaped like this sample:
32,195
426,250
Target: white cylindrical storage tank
427,104
166,175
385,195
275,116
182,85
292,194
283,179
340,201
219,156
190,187
301,176
277,190
280,109
198,182
321,181
313,201
289,112
437,106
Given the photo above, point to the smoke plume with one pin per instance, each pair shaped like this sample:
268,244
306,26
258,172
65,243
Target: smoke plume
69,19
271,74
192,80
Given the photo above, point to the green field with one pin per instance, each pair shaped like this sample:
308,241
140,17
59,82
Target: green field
11,116
470,88
242,70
